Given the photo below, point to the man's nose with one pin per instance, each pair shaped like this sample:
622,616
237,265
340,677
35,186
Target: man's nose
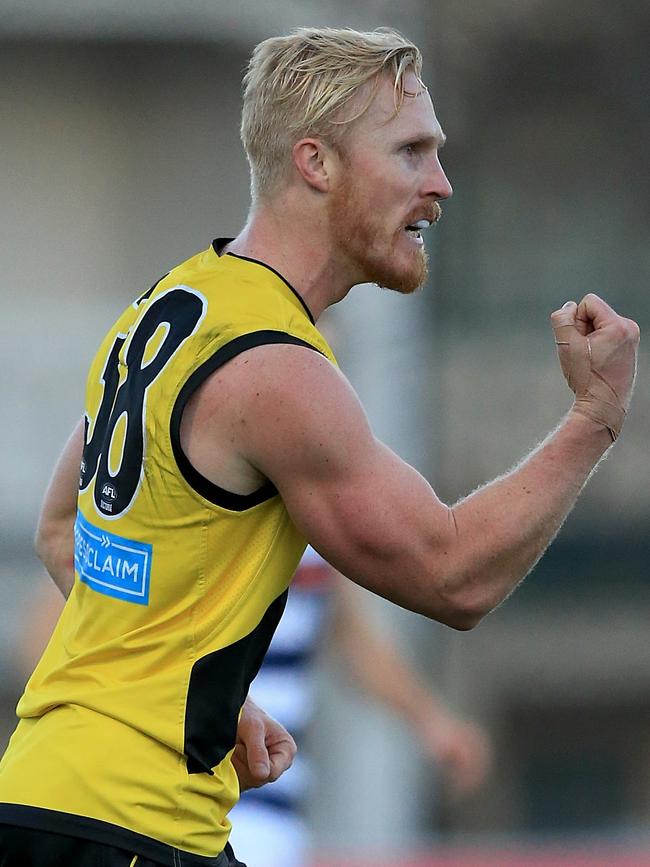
438,182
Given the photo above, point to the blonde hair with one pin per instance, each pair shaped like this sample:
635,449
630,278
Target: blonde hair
297,86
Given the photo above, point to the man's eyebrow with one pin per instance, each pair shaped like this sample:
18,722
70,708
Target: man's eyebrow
436,140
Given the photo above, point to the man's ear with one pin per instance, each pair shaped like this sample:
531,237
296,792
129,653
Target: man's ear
312,159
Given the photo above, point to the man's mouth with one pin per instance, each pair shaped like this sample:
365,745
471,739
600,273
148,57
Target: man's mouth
416,228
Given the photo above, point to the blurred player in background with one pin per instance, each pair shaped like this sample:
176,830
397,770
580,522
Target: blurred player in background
219,438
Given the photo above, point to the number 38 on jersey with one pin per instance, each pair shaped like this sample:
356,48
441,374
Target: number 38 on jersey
115,440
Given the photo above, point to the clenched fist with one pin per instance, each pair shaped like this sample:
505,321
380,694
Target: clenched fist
264,748
597,349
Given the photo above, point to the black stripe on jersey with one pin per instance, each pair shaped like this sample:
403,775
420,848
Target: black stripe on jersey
219,243
218,687
84,828
214,493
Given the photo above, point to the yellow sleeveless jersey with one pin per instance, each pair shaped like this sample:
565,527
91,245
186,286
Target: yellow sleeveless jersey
128,723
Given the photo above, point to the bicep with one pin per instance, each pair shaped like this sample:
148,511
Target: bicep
371,515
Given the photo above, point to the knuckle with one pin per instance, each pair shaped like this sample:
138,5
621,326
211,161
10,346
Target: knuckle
619,329
630,330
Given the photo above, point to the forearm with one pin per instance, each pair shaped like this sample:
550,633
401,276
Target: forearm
500,531
506,526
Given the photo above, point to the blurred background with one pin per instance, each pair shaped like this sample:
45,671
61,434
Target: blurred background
121,157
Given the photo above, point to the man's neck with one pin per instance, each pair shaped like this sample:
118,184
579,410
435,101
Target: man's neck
298,248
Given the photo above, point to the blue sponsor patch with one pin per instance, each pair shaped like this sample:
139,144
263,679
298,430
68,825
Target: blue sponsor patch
111,564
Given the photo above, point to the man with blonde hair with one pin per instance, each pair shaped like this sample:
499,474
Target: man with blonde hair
219,437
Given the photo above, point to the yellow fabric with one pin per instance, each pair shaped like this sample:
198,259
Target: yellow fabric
102,718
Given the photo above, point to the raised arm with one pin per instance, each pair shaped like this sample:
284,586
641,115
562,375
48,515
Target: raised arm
55,531
297,420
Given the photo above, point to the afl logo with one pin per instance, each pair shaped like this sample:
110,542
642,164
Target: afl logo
110,492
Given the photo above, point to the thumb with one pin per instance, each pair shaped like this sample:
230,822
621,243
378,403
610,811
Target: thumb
563,322
572,347
566,315
258,761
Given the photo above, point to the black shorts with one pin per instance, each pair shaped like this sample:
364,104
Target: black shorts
27,847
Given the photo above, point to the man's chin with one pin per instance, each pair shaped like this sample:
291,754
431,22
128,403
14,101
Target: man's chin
406,282
402,289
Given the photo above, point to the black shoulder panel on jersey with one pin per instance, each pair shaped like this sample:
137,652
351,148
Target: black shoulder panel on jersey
218,687
214,493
